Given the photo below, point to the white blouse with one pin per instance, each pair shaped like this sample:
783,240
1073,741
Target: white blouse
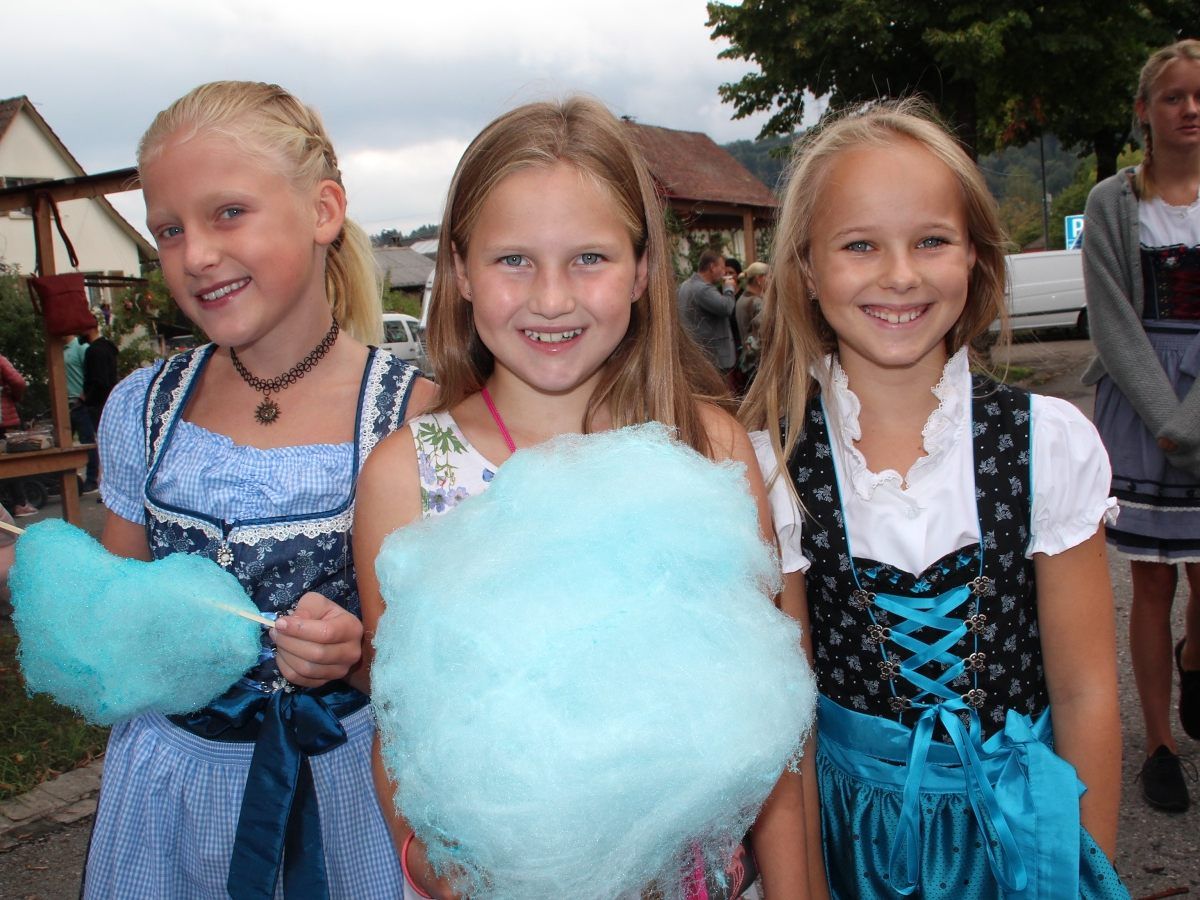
913,521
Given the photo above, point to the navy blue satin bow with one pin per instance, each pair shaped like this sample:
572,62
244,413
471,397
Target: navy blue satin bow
279,808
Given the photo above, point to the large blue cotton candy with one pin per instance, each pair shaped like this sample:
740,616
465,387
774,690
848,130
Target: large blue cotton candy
115,637
580,679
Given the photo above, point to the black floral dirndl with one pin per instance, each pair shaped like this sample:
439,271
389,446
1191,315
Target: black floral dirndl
935,766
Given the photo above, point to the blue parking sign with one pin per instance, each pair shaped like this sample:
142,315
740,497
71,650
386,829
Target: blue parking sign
1073,228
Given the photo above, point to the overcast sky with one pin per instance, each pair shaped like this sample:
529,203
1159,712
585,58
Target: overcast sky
402,85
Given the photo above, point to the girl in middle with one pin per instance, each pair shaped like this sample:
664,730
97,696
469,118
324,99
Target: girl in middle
553,313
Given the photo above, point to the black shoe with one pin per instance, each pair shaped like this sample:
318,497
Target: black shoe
1189,695
88,487
1162,782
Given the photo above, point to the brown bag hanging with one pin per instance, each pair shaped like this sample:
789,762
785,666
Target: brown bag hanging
61,299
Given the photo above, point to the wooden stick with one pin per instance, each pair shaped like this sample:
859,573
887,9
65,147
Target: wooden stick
13,528
253,617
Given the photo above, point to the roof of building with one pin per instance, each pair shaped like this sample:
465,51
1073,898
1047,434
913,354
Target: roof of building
689,165
403,267
8,112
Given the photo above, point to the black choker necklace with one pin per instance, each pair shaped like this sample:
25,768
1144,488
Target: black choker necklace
268,411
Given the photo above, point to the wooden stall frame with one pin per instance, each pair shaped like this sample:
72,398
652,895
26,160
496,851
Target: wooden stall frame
66,456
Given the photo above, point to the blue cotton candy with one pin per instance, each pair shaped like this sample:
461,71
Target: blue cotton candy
581,680
114,637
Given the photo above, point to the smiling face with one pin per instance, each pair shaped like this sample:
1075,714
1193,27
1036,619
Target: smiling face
242,249
551,274
1173,108
891,255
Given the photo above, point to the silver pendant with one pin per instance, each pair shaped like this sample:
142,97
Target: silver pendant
266,412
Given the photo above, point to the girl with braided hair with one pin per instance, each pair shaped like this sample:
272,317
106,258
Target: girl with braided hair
1141,266
267,790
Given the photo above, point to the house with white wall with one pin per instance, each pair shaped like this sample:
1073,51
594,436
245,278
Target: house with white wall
30,151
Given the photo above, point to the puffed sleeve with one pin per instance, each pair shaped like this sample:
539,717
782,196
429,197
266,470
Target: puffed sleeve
122,447
1071,478
785,511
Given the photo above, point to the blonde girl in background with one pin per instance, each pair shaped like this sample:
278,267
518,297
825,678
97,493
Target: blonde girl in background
951,536
1141,268
553,313
246,451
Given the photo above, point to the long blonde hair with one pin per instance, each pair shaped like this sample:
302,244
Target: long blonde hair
268,122
655,373
795,334
1143,178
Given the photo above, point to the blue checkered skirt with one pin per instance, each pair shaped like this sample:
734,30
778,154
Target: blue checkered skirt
1160,504
169,803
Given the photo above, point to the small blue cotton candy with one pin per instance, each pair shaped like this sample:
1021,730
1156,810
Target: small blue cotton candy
581,680
114,637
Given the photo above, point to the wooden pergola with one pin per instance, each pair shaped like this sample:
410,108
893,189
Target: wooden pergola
704,185
65,457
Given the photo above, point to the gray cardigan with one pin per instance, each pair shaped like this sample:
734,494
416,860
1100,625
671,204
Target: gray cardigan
1112,275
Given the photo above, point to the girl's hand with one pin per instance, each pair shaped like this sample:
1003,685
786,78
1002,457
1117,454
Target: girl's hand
1166,445
318,642
422,875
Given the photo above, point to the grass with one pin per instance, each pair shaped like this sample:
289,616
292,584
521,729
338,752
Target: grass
38,738
1016,374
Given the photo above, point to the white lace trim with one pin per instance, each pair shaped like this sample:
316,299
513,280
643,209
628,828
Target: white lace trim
252,535
177,395
210,530
367,438
938,435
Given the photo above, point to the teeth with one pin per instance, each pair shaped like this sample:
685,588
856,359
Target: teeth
895,318
552,337
222,291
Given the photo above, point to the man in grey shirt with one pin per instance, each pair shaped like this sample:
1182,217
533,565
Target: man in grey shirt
705,305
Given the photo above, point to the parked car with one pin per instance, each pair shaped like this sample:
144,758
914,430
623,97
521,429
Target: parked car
402,336
1045,290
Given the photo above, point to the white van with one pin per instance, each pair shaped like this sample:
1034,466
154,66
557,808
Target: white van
1045,290
402,337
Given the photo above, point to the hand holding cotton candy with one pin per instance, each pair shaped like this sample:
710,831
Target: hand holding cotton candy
580,678
113,638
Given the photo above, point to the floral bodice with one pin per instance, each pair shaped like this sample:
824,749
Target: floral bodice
449,467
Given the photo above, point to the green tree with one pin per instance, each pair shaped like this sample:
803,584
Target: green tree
1001,73
23,341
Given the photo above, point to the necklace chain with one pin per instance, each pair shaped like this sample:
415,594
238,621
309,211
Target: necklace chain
268,410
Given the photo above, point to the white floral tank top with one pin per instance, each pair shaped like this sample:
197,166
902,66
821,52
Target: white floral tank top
450,469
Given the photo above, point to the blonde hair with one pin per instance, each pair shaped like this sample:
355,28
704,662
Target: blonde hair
655,373
268,122
1143,178
795,334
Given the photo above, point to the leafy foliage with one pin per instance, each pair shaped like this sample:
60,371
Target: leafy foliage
390,237
1001,73
23,341
143,314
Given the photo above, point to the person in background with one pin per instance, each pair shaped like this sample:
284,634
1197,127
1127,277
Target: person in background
748,315
1141,270
82,424
12,389
99,373
705,306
